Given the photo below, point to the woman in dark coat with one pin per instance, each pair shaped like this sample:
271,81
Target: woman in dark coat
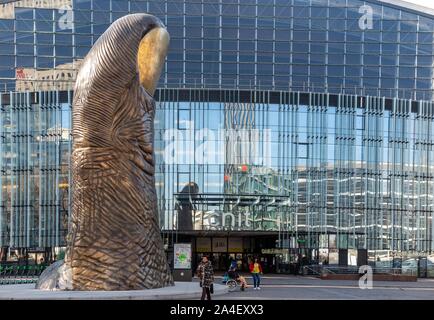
205,273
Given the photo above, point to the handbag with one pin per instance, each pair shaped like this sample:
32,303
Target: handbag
211,288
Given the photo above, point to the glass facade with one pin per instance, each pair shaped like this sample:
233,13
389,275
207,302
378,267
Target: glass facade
335,46
357,167
305,120
338,171
35,153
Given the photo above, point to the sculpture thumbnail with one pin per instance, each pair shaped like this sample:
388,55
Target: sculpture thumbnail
114,241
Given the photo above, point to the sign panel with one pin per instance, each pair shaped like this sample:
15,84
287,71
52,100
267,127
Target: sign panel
182,252
219,244
34,250
235,245
203,245
275,251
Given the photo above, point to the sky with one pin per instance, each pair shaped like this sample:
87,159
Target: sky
426,3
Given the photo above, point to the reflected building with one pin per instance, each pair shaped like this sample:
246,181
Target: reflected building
185,207
60,78
283,128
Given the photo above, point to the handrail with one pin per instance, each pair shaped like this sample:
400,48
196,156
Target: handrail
311,269
323,269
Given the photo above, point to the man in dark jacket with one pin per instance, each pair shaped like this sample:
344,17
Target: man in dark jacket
205,274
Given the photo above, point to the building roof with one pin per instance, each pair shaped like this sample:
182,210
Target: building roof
397,3
408,5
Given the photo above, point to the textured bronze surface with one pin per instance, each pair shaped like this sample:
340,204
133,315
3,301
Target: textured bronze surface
114,241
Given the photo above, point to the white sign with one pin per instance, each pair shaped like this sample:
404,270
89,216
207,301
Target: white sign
215,220
182,252
275,251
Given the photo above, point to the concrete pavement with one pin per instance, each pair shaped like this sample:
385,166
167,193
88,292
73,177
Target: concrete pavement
310,288
272,287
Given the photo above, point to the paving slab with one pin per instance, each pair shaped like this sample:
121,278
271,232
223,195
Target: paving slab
314,281
181,290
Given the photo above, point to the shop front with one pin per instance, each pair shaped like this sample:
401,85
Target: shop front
277,255
224,247
224,250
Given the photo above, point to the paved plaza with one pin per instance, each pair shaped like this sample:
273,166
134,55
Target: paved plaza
272,287
310,288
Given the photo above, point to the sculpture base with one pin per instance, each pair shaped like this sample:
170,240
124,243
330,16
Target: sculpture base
181,290
58,276
55,277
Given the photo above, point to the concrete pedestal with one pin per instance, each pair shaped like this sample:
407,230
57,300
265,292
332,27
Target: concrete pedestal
182,275
181,290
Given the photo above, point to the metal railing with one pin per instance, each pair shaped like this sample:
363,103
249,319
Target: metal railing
19,274
319,270
311,270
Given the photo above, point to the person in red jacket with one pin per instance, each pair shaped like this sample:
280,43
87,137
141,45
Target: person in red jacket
256,269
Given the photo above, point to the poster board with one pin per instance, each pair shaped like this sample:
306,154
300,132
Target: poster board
182,256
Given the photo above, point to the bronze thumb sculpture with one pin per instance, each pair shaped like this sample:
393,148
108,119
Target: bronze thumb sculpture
114,241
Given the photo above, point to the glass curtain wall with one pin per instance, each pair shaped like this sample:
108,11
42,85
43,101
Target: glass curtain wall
337,171
350,46
36,149
358,167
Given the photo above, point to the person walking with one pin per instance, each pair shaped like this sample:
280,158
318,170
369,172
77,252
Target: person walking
205,274
233,264
297,265
256,269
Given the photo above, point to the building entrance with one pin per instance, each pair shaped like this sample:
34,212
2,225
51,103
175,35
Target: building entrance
222,251
222,261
